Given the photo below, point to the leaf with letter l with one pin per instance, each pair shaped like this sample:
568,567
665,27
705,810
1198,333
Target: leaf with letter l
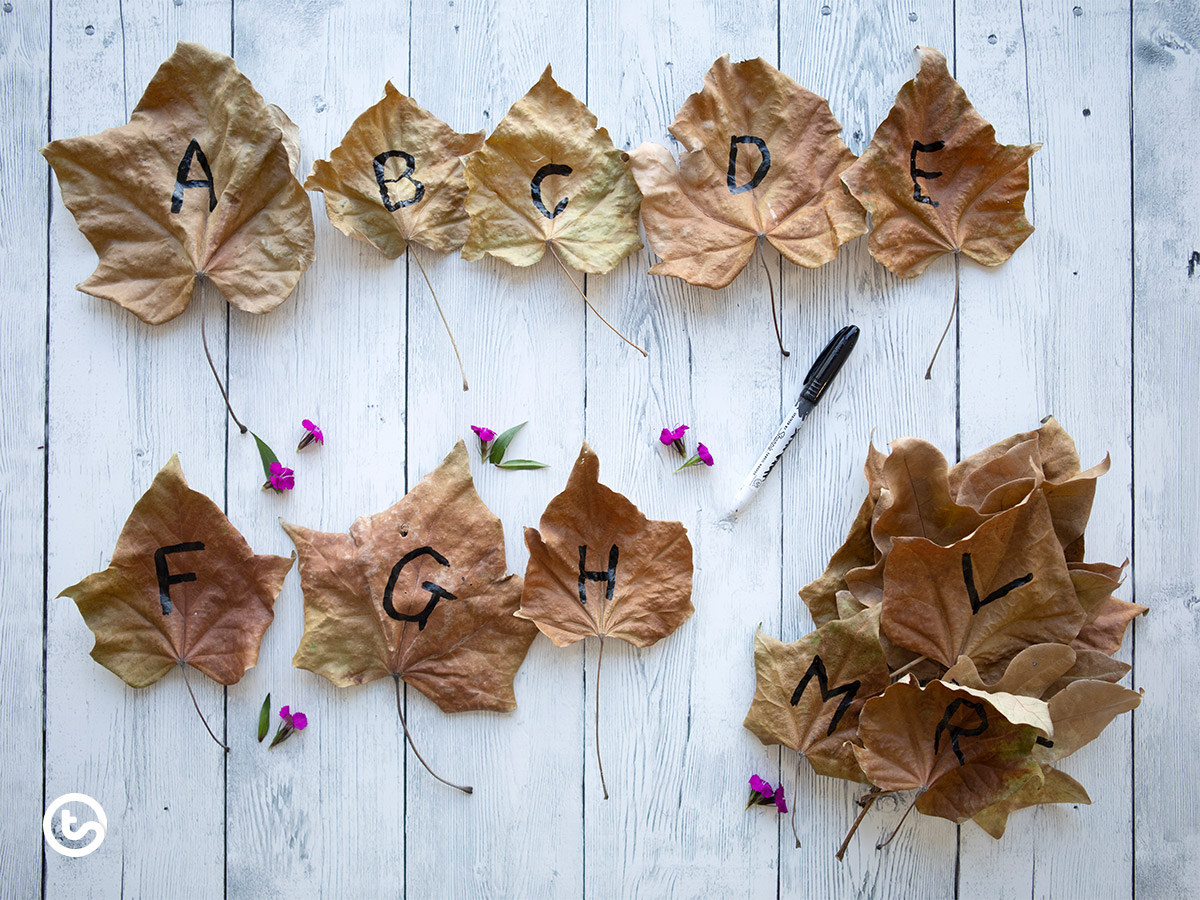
418,592
183,588
763,161
598,567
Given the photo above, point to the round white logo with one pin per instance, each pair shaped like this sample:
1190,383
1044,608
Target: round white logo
69,829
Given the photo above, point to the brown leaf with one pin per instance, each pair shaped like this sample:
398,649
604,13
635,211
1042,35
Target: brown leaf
1054,786
953,744
1029,673
1082,710
936,181
988,596
809,692
418,591
597,566
763,159
396,177
198,184
1090,665
1107,630
183,587
548,176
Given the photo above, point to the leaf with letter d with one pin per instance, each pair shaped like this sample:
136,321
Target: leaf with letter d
418,592
599,568
183,588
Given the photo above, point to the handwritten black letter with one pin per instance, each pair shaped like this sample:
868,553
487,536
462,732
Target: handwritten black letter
759,174
165,578
535,188
958,730
182,181
436,593
973,592
409,165
585,576
916,173
817,668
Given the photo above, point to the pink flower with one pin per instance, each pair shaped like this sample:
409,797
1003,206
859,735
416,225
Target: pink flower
314,434
671,435
780,802
486,435
292,722
762,794
761,787
705,456
282,478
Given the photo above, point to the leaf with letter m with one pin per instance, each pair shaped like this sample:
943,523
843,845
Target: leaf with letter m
809,692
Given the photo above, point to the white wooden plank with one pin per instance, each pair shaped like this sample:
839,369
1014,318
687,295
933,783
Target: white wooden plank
123,397
1036,339
677,759
1166,82
881,391
324,812
521,335
25,78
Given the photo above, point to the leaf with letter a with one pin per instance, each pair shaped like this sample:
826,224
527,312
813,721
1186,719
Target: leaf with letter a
418,592
763,162
598,567
549,178
809,692
936,181
397,179
198,185
183,588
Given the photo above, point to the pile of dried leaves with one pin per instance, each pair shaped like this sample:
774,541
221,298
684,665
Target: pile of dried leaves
963,645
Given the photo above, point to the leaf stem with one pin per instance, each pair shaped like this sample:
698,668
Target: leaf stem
771,287
907,666
599,761
208,356
795,794
953,310
579,290
400,709
183,666
866,803
412,253
896,830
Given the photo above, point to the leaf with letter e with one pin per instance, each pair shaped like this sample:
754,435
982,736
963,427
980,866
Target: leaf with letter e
418,592
809,692
763,161
198,184
598,567
935,180
549,179
183,588
397,179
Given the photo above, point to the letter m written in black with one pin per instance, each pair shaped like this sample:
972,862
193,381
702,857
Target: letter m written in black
816,669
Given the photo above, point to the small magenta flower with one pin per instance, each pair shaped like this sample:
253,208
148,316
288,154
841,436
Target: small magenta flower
282,478
673,437
486,436
702,455
780,802
762,794
314,434
292,722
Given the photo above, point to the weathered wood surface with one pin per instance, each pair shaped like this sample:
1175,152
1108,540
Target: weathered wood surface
1091,321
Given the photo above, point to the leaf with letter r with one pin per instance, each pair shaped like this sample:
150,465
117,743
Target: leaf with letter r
183,588
599,568
418,592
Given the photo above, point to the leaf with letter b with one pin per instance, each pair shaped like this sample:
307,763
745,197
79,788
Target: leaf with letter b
183,588
598,567
418,592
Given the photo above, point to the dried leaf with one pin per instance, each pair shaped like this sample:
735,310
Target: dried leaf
1054,786
988,596
547,176
419,592
809,692
183,587
763,159
1082,710
397,177
954,745
936,181
1090,665
1030,672
199,183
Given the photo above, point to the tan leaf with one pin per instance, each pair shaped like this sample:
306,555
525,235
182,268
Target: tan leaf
952,744
597,566
1107,630
1090,665
396,177
419,592
936,181
809,692
1054,786
1082,710
183,587
199,183
1030,672
763,159
547,176
988,596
